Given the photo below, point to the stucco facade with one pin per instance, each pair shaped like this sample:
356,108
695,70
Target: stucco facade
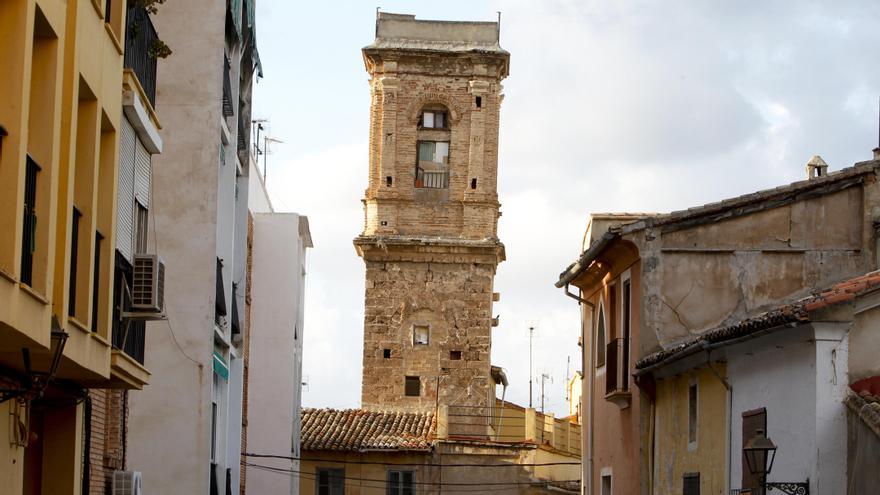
277,296
66,94
192,444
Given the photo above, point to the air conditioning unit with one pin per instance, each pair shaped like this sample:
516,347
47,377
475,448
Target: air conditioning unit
127,483
148,284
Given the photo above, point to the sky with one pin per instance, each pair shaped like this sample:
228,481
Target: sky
609,106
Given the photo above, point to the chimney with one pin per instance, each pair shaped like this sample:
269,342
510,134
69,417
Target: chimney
817,167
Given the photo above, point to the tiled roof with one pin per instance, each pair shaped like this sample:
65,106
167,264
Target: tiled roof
867,407
796,312
357,430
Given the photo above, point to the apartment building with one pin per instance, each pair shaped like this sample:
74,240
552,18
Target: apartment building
185,430
76,98
274,337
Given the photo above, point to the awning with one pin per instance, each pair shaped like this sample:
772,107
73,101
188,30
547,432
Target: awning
220,366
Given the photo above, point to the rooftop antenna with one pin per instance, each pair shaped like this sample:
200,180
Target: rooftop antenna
877,149
377,20
531,373
498,29
266,141
544,377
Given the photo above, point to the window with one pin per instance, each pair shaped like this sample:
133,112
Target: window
691,484
627,325
752,421
386,353
600,337
420,334
455,355
29,227
74,253
401,483
140,232
96,281
433,119
330,481
605,489
432,165
412,386
479,101
692,414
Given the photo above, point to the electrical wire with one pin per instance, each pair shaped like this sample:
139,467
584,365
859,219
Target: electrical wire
156,250
444,485
422,464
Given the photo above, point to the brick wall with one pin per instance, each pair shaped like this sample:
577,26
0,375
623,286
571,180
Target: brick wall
246,343
106,449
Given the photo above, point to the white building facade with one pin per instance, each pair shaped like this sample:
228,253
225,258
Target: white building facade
185,429
274,386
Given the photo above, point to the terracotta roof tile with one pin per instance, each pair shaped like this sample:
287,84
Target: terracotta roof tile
358,429
796,312
867,407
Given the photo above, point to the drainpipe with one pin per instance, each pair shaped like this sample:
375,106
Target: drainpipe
592,377
729,389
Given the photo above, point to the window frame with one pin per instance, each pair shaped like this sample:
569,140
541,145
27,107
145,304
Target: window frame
409,379
427,328
685,478
693,418
401,489
434,112
601,321
333,474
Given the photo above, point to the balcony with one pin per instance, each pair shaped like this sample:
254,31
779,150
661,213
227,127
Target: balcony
129,337
432,177
140,40
617,372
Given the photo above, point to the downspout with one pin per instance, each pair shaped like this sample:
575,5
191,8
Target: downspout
729,389
587,372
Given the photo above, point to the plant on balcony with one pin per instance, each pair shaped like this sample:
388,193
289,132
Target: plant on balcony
158,48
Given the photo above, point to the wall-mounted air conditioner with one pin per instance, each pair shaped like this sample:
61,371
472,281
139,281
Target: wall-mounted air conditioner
127,483
148,284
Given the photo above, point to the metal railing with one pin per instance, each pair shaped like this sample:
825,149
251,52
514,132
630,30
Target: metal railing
432,180
140,38
130,338
617,366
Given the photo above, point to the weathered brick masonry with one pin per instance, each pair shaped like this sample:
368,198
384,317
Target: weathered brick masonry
431,252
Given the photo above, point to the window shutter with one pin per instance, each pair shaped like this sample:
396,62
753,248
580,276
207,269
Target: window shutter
752,421
142,174
125,192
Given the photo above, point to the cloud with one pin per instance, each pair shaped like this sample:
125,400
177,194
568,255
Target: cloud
610,106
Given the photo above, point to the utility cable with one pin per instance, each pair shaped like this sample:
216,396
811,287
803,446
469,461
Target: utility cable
373,463
423,483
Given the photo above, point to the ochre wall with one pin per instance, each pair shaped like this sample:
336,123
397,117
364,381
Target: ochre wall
675,455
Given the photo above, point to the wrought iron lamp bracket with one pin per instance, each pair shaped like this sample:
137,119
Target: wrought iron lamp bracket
789,487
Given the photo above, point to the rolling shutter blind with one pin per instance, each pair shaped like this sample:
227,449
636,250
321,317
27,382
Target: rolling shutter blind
125,194
142,174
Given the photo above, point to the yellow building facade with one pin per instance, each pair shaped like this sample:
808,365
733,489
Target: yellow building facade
60,119
691,432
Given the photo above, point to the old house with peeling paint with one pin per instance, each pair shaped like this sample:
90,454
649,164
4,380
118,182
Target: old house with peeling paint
701,323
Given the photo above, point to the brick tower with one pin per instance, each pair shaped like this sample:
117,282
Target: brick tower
430,240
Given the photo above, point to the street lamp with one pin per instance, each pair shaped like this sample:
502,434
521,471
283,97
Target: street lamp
34,382
760,452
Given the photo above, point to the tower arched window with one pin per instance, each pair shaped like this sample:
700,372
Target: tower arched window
432,155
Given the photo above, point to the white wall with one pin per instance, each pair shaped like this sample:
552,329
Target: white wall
790,373
276,330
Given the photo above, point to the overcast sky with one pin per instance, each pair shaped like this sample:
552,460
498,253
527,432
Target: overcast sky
610,106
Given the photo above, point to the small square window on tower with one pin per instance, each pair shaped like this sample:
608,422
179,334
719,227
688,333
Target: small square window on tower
455,355
412,386
386,353
420,335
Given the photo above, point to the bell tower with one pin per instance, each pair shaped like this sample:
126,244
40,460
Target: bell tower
431,211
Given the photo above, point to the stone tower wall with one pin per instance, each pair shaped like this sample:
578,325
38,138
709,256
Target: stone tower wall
431,253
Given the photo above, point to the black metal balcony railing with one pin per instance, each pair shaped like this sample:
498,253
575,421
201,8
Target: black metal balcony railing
140,38
616,366
29,227
108,5
228,111
128,336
